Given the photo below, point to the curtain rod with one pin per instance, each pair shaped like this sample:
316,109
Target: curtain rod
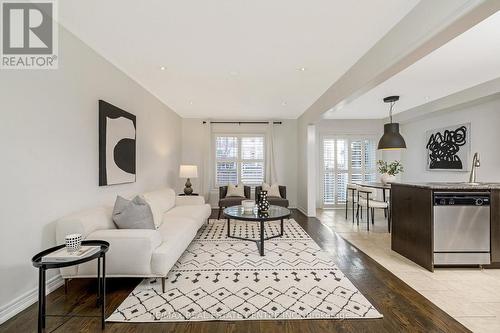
243,122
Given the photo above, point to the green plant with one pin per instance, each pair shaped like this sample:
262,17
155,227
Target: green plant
392,168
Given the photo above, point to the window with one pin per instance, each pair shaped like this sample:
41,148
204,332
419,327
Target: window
239,159
345,159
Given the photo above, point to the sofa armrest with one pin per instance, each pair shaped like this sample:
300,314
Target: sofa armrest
222,192
282,191
247,190
184,200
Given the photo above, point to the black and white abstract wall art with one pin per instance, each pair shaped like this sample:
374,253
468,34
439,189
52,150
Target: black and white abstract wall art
117,145
448,148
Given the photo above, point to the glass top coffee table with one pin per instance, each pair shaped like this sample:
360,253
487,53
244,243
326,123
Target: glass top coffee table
275,213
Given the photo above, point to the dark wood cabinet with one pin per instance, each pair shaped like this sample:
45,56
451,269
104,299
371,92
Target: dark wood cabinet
495,226
412,225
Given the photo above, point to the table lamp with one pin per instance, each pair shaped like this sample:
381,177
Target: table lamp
188,171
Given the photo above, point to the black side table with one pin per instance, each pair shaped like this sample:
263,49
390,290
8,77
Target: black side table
44,266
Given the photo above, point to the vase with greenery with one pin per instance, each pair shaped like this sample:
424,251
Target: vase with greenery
389,170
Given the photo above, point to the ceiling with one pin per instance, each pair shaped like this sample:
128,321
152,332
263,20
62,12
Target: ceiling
466,61
233,58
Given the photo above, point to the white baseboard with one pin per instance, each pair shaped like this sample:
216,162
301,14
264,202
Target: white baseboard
27,299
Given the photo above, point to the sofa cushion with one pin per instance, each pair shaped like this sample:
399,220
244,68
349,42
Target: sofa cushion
160,201
178,230
231,201
272,190
132,214
235,191
278,201
198,213
129,253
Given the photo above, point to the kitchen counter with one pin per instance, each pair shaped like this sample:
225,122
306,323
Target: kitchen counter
412,213
450,186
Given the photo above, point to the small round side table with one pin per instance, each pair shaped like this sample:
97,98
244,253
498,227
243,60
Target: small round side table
44,266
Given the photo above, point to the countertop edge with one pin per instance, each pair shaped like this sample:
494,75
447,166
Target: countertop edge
451,186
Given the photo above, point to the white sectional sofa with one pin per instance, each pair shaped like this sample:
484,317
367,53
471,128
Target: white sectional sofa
137,252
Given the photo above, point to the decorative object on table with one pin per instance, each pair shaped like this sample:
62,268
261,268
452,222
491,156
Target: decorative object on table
448,148
42,266
73,242
188,171
296,280
391,139
389,170
133,214
280,200
117,148
262,203
248,206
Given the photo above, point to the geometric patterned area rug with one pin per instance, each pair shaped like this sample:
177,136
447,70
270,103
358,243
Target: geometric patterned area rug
220,278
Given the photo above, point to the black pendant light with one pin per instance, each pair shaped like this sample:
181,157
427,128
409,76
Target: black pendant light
391,138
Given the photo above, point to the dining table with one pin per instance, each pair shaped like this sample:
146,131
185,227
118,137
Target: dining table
377,185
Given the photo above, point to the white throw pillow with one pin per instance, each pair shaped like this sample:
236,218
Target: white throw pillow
235,191
272,191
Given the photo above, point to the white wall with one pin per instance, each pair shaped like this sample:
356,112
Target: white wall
49,152
285,139
485,139
302,175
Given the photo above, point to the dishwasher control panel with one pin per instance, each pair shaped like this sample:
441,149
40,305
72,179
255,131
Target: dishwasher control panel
461,199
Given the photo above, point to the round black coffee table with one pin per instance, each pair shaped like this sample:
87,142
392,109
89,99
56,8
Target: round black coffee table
275,213
43,266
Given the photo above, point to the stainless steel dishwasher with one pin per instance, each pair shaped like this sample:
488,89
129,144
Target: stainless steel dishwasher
461,228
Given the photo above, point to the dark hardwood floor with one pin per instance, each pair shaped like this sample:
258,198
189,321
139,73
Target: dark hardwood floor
403,308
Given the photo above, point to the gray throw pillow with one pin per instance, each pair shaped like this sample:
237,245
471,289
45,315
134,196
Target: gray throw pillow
133,214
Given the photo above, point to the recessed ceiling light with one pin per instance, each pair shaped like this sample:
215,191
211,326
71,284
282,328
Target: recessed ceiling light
163,68
301,69
427,98
191,102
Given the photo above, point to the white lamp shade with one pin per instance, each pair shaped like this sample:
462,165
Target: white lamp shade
188,171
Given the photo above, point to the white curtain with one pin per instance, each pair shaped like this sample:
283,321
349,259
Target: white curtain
207,160
271,177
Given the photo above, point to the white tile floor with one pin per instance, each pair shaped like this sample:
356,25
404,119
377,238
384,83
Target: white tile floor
471,296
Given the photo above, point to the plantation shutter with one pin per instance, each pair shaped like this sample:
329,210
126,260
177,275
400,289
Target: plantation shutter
239,159
252,160
226,155
346,159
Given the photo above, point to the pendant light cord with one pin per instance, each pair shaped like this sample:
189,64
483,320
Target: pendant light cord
390,111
